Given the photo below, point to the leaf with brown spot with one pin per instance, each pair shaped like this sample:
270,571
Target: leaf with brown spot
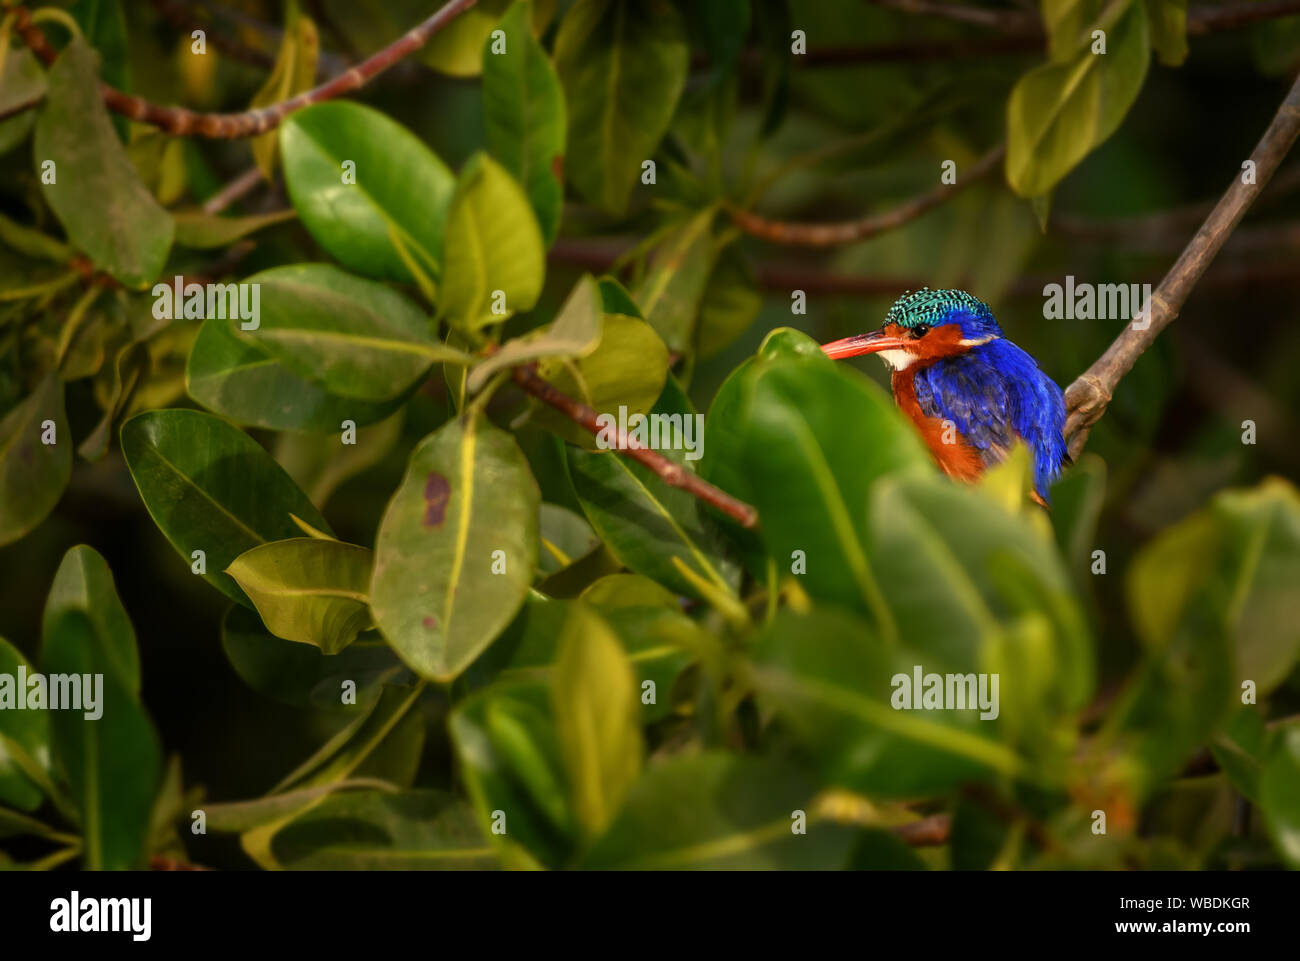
467,493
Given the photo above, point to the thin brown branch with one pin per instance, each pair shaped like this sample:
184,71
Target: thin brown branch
237,189
674,475
852,231
1088,397
182,122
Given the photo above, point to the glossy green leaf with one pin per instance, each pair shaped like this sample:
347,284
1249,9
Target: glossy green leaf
33,474
1059,112
201,231
804,440
524,113
84,583
104,27
675,278
112,762
623,66
730,304
237,817
456,548
575,332
241,381
400,185
716,811
1279,789
28,730
308,590
376,831
831,678
596,718
96,194
211,487
319,463
355,338
294,72
628,369
299,674
384,743
457,49
509,756
564,536
494,260
24,80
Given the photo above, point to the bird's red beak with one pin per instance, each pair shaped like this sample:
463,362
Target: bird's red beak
871,343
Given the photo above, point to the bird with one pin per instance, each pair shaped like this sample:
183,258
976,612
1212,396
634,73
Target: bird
970,392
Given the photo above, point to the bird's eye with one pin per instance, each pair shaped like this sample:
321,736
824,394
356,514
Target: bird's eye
920,330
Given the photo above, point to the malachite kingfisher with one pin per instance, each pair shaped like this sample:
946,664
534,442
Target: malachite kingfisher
970,392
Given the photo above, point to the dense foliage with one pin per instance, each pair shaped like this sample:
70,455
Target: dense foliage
361,602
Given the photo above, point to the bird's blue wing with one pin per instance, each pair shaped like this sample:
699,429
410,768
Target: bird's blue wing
996,395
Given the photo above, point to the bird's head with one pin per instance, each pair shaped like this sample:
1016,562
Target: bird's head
924,325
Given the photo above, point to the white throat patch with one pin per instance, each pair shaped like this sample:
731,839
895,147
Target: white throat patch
897,359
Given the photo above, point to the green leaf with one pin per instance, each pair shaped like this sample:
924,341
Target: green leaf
203,231
830,678
84,583
377,831
675,278
457,49
565,537
33,474
1241,556
729,306
112,762
400,185
104,27
493,257
1070,23
1059,112
320,463
628,369
308,590
506,744
804,441
294,73
241,381
355,338
524,116
596,717
1168,19
623,66
648,525
384,743
211,487
717,811
299,674
237,817
29,730
575,332
97,195
1279,788
24,80
456,548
